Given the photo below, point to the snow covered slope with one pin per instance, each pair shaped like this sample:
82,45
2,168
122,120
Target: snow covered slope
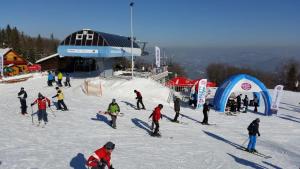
70,137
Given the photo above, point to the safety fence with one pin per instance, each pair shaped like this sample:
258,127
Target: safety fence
92,88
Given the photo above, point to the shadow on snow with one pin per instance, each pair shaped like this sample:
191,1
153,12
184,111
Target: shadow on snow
78,162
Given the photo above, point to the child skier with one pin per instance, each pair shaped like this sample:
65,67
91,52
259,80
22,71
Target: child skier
156,116
253,130
60,100
42,103
246,103
67,83
113,110
101,157
59,78
22,95
139,100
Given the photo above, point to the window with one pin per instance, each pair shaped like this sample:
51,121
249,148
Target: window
90,37
79,36
15,58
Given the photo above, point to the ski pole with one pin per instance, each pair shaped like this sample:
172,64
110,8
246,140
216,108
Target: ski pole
244,142
32,115
52,111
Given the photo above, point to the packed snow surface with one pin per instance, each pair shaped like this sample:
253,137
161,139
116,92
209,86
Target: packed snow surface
72,136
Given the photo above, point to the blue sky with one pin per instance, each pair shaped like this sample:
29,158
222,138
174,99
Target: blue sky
188,23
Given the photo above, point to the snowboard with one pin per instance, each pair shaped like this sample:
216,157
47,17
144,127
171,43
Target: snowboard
105,112
255,153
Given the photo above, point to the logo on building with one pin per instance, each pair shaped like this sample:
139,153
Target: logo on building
246,86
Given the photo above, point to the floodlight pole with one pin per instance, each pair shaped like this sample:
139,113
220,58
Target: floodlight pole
131,29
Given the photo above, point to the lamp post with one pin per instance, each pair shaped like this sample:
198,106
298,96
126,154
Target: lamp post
131,30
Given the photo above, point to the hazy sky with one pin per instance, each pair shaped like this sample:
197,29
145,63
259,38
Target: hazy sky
194,23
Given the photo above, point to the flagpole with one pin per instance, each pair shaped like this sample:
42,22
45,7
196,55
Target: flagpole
131,30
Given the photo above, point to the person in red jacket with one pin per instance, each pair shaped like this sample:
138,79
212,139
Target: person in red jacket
139,100
156,115
42,104
101,157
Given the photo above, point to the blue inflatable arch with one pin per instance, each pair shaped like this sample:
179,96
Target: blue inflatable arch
241,83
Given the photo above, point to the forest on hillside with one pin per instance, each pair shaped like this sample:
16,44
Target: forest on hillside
31,48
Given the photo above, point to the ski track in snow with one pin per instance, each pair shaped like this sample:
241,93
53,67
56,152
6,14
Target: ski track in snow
72,136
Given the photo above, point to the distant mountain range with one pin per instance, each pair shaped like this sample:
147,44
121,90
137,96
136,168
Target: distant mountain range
195,60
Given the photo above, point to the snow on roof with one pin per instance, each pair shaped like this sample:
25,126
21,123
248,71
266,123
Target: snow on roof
46,58
4,51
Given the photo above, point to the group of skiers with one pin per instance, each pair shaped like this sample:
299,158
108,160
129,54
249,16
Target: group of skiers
235,104
51,79
43,102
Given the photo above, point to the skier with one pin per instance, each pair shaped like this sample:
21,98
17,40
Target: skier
246,103
50,78
253,130
139,100
176,108
113,110
67,83
205,111
101,157
156,115
22,95
255,102
239,102
60,100
42,103
59,78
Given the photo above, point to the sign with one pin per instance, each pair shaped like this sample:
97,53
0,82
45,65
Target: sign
82,50
157,56
276,97
246,86
1,65
201,93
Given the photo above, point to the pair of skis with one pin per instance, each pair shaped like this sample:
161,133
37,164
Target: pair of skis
255,153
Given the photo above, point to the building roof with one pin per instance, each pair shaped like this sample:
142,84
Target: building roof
88,37
46,58
4,51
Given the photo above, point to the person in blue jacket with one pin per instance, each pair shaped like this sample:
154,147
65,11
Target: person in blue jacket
50,78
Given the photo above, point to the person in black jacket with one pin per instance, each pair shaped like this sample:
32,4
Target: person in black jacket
239,102
253,130
22,95
246,103
205,110
176,108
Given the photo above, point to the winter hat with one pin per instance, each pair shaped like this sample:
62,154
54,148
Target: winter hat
109,145
22,88
135,91
258,120
113,100
56,88
161,106
40,95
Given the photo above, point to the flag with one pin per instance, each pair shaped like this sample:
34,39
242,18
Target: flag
157,56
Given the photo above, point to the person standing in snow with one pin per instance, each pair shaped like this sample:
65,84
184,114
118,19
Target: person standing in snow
101,157
22,95
253,130
246,103
205,111
59,78
176,108
67,83
139,100
113,110
60,100
239,102
42,104
255,103
156,116
50,78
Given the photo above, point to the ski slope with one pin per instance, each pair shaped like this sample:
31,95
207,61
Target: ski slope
72,136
